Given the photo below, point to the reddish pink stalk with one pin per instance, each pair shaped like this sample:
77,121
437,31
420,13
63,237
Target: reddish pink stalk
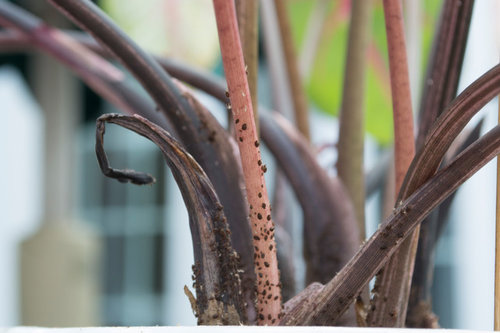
404,142
266,264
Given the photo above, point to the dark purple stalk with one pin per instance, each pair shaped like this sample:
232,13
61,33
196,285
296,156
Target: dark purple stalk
447,128
445,63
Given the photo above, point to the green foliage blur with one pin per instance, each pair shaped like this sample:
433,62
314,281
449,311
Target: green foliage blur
324,84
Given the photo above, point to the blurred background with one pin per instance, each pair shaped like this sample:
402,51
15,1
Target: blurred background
78,249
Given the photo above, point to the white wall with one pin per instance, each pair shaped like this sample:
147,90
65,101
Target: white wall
178,257
474,208
21,167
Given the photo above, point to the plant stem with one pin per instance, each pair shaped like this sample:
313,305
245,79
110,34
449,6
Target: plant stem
248,26
404,146
419,314
299,97
282,96
413,30
352,124
448,126
393,284
266,265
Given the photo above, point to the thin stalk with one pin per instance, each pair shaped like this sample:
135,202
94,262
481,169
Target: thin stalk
445,63
404,146
313,33
282,97
266,264
393,284
352,120
248,26
413,30
299,97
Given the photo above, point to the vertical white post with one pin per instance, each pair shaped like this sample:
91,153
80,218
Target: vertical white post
474,216
21,135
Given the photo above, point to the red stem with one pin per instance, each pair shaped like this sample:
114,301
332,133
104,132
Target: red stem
404,143
266,264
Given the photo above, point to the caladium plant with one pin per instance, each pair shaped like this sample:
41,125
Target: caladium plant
221,173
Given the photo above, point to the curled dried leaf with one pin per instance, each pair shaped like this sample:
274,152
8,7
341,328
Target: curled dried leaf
218,292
